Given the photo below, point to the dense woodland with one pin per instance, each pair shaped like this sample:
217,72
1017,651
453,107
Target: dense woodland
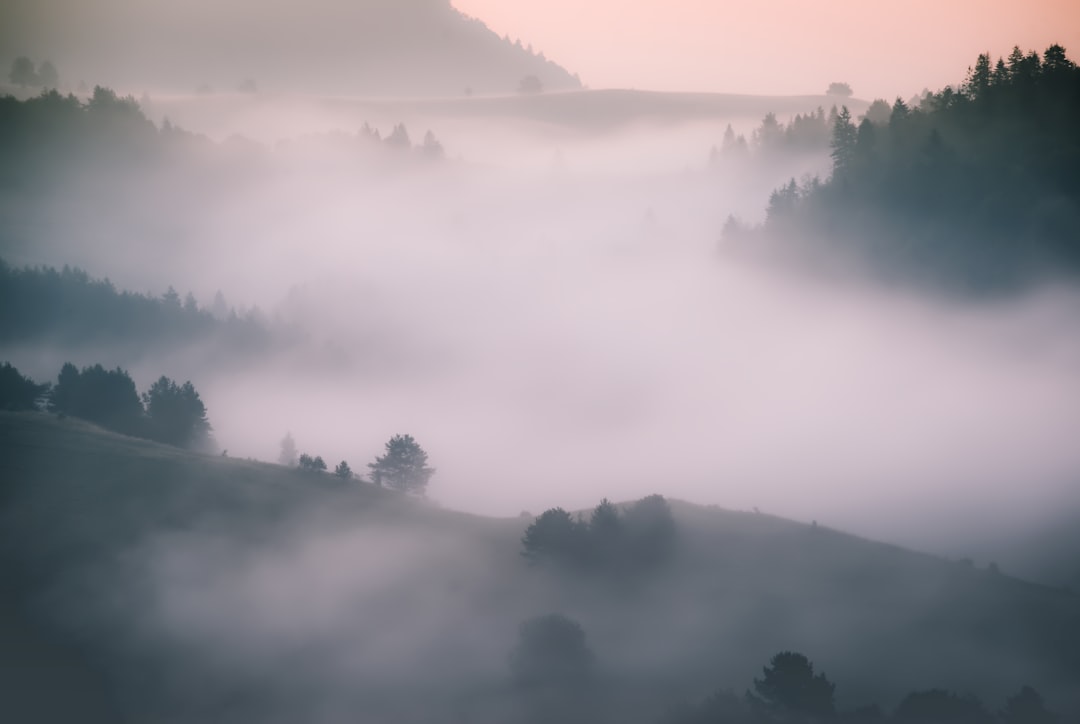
42,305
167,412
974,188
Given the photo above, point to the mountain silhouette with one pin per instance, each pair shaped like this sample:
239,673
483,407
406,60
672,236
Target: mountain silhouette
367,47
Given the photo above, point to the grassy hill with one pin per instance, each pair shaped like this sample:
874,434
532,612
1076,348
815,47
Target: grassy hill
150,584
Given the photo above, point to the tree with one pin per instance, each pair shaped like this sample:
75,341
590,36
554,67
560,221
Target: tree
555,536
18,392
1026,707
530,84
979,77
47,75
312,464
650,530
789,683
105,397
432,148
551,651
937,706
844,139
403,467
175,414
287,456
842,90
399,138
343,471
22,72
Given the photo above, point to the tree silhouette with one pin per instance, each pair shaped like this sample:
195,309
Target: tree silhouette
22,72
937,706
175,414
530,84
343,471
789,683
557,537
18,392
47,75
1026,707
403,467
312,464
839,89
105,397
551,651
287,456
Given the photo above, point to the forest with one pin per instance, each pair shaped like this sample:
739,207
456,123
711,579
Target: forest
972,190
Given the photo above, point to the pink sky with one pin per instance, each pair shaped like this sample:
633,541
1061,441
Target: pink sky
782,46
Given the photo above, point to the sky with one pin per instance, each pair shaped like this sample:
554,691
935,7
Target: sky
883,49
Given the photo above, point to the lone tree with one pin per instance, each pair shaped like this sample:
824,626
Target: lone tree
403,467
22,72
551,651
839,89
343,471
287,456
789,683
530,84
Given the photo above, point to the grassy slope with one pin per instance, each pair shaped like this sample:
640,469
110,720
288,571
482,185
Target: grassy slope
89,520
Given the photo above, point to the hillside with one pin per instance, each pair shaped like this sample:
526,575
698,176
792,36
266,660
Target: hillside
151,584
373,47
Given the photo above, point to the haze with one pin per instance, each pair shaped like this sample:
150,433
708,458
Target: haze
545,309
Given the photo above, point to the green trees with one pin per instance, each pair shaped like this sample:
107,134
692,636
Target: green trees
403,467
175,414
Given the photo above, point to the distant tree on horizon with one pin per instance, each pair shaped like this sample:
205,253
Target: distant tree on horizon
843,90
343,471
287,456
530,84
403,467
22,72
47,76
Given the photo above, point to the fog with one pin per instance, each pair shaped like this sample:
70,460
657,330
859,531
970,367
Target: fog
550,313
536,285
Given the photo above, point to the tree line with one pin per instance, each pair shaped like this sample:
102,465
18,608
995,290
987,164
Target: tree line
45,303
972,187
639,538
167,412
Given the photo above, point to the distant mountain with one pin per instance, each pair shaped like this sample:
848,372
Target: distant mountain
371,47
